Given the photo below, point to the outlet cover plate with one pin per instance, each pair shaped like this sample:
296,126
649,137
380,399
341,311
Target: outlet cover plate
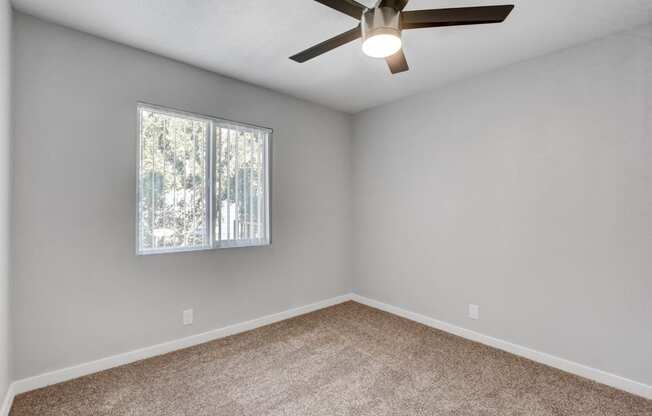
474,311
187,317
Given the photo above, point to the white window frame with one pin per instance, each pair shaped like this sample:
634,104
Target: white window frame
211,154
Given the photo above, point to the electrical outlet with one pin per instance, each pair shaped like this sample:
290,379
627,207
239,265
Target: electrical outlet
474,312
187,317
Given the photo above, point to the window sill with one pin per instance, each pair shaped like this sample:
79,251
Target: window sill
217,246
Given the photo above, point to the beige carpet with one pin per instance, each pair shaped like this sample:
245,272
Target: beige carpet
344,360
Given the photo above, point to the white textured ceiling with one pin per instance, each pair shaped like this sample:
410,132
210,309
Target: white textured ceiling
251,40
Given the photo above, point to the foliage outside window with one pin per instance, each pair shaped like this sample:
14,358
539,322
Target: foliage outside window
202,182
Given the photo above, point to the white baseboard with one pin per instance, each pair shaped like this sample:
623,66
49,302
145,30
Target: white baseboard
581,370
8,400
58,376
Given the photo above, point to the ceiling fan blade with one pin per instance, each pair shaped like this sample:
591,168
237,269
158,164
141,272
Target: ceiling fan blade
397,62
394,4
330,44
457,16
350,7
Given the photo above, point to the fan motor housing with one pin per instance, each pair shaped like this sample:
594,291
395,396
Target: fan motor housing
381,21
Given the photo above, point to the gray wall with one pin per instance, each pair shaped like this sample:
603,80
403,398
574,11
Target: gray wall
527,191
80,292
5,187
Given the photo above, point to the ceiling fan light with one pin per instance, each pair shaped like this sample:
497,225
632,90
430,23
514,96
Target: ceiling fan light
381,32
381,45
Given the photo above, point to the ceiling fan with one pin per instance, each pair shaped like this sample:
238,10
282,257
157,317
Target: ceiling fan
380,27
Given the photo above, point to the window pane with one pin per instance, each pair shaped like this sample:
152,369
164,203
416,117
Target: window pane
172,181
240,185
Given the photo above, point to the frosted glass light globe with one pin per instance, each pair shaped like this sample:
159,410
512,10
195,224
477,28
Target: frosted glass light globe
381,45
